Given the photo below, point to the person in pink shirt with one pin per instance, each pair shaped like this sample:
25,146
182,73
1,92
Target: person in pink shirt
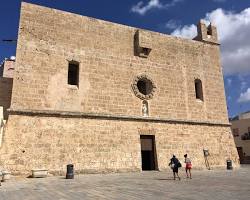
188,166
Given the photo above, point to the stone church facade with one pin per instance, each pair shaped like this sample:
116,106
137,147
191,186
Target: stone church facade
108,97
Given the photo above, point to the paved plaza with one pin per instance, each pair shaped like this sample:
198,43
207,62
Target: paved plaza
214,185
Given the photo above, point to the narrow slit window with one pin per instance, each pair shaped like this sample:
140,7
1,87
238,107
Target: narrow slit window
198,89
73,73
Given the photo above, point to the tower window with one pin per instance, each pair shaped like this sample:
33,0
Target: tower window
198,89
209,31
73,73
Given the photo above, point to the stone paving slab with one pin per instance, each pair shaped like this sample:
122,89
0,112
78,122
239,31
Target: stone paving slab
214,185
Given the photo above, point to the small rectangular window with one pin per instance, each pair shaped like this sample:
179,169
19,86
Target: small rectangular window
73,73
198,89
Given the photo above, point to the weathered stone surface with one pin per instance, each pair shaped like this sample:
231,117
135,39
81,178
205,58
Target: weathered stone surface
48,39
5,95
39,173
108,67
7,68
107,145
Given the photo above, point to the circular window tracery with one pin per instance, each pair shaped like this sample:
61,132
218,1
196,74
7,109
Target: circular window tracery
143,87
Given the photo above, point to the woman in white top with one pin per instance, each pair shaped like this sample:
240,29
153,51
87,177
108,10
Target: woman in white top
188,166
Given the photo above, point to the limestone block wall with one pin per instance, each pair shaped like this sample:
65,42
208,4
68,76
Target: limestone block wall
108,67
5,95
107,145
97,124
5,99
8,68
2,124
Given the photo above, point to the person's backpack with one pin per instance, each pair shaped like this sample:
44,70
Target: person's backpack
179,164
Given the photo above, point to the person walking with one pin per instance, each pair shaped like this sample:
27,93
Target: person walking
188,166
175,164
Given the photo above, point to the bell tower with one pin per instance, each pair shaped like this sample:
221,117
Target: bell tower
206,33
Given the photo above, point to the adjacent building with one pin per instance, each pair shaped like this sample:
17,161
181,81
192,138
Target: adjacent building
108,97
7,67
241,134
6,79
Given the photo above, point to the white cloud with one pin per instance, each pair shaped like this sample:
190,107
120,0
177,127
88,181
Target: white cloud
187,31
142,8
229,81
243,82
243,85
233,31
172,24
244,97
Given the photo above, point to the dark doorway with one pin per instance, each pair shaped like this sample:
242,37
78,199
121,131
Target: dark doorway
148,152
241,155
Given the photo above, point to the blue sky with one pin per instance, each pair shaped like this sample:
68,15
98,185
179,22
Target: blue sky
176,17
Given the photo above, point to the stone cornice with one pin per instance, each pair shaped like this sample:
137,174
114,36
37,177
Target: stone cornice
68,114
